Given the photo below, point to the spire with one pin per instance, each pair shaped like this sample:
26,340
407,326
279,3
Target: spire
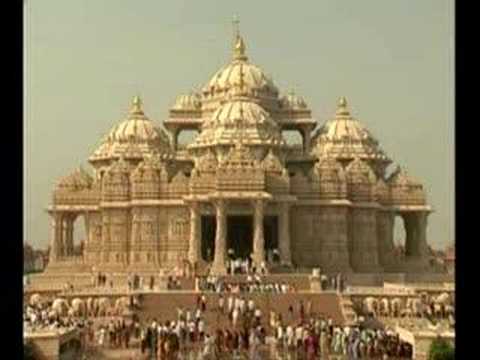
342,107
239,45
136,107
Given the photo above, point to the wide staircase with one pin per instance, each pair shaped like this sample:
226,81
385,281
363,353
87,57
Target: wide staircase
163,306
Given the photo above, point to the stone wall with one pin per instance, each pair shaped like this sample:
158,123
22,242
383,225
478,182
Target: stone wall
363,240
305,234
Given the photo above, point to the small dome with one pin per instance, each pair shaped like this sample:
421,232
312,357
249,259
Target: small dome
400,177
405,189
190,102
134,137
345,138
77,180
293,102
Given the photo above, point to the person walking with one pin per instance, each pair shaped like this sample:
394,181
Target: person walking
221,303
290,312
152,282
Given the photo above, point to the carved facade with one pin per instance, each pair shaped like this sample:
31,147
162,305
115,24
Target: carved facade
333,203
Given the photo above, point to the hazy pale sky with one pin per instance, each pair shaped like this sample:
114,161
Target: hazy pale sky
393,60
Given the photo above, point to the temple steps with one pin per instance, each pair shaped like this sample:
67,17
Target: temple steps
163,306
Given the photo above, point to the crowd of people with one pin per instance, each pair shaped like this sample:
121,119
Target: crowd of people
320,337
245,332
253,284
187,333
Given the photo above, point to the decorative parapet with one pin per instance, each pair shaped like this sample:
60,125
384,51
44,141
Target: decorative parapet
81,197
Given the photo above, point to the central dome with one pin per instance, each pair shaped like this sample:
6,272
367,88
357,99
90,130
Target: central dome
240,73
239,119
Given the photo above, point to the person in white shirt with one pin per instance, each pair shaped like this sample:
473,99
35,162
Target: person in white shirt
201,329
280,334
290,336
208,346
263,268
221,303
251,305
230,304
299,336
258,315
235,317
198,314
242,306
191,330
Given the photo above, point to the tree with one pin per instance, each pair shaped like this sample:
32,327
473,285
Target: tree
28,353
440,349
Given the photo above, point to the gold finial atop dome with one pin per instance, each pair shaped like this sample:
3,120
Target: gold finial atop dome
239,49
239,45
342,106
136,107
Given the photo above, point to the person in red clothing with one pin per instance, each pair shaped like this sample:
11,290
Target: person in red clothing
310,348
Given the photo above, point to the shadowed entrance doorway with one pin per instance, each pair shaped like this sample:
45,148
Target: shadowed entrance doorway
270,232
240,235
209,226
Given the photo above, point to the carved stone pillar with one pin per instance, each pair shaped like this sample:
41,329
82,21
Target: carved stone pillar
56,237
69,230
258,237
194,249
105,249
385,226
284,232
421,232
64,235
416,248
306,140
135,237
218,266
410,234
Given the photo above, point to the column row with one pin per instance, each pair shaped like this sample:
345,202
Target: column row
220,253
61,242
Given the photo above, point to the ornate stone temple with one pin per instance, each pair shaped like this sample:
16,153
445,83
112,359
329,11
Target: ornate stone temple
153,204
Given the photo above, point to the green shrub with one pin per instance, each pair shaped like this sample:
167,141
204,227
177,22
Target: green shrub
440,349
